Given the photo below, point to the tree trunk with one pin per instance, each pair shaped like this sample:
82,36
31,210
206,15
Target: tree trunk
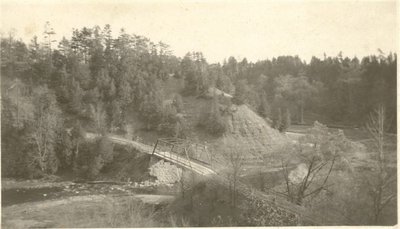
301,114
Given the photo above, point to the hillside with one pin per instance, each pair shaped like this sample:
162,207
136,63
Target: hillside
244,126
251,133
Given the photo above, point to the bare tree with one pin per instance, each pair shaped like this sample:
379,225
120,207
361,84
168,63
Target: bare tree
380,190
234,157
99,117
182,182
47,121
308,186
315,155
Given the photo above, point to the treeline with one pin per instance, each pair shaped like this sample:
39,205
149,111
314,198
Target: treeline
94,81
336,89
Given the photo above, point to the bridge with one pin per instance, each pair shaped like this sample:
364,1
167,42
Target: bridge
186,154
178,154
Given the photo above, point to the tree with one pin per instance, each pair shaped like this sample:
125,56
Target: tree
381,184
102,154
315,157
75,97
213,121
277,119
124,93
45,127
48,33
116,115
13,142
151,109
77,139
169,121
98,116
304,90
194,69
286,121
233,157
183,181
178,103
264,108
295,90
241,91
65,150
231,68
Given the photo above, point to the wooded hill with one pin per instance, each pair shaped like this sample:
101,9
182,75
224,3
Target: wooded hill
94,81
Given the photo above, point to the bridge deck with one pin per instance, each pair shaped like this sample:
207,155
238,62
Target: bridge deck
193,165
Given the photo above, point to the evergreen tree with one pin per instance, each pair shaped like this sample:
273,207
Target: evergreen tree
241,91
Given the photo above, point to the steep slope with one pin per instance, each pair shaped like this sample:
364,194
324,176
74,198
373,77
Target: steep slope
250,134
244,127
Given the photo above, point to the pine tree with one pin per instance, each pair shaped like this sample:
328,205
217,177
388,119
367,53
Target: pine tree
241,91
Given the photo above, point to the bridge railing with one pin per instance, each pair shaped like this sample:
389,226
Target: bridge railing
184,148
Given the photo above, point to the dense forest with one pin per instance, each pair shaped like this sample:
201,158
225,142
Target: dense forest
52,92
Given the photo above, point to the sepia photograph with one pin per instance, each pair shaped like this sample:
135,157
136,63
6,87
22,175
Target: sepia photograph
198,113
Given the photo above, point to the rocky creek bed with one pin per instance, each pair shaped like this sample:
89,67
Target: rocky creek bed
18,195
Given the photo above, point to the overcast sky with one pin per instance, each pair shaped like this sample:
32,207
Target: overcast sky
253,29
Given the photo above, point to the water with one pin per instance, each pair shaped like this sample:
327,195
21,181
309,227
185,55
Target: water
23,195
18,195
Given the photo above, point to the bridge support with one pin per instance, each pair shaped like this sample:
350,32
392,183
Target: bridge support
153,160
155,147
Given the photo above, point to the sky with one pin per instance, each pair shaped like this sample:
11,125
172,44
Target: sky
253,29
